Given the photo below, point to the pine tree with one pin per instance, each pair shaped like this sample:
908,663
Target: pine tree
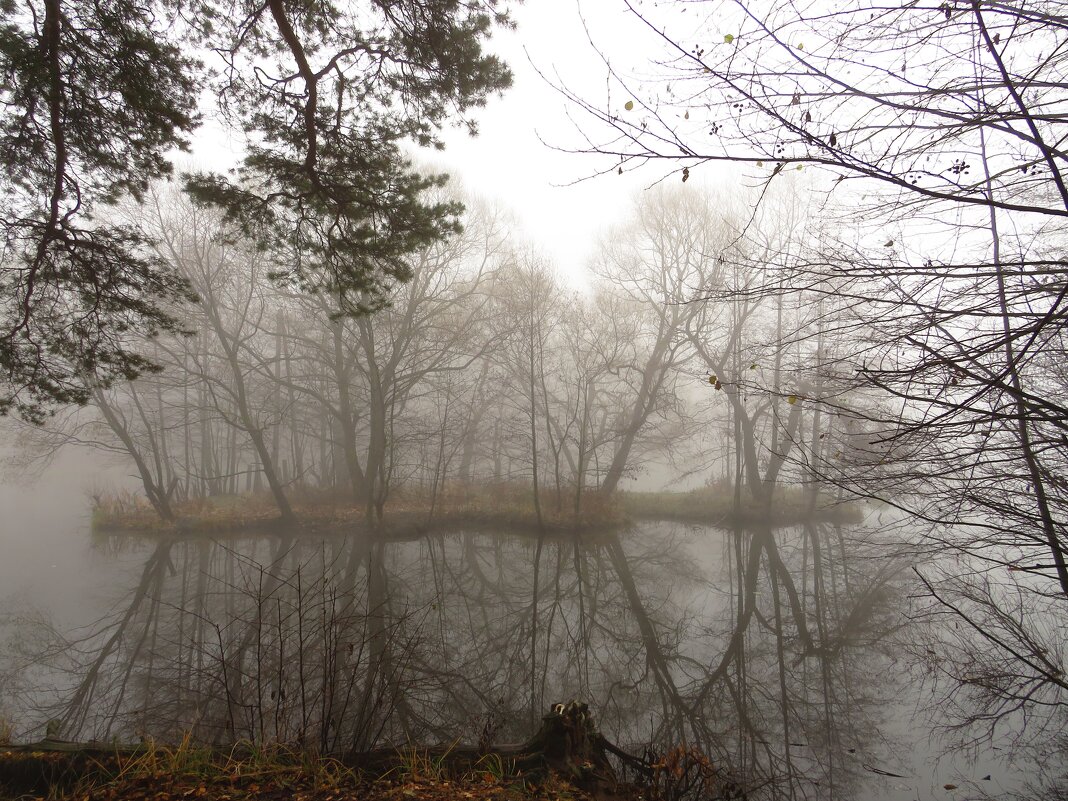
97,94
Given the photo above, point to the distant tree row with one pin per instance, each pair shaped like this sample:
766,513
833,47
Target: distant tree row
483,366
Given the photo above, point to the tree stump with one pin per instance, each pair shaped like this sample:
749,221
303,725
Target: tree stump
569,744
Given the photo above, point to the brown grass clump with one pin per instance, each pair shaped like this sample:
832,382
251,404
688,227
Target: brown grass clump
410,509
500,505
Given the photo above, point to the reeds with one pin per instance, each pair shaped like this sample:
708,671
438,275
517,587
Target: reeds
489,504
455,504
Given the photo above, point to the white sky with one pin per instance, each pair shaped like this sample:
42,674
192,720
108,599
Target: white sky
514,160
517,159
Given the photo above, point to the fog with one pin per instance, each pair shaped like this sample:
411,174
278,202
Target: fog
49,561
493,492
718,386
447,635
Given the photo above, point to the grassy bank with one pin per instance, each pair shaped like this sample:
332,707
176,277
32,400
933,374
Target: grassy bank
261,774
408,512
506,506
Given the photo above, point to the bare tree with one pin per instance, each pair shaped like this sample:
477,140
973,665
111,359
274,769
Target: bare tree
655,262
939,127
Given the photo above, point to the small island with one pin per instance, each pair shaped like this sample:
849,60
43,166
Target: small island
504,506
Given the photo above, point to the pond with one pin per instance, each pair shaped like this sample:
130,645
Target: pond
785,656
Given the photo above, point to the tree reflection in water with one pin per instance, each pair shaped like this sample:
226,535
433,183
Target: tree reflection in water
757,647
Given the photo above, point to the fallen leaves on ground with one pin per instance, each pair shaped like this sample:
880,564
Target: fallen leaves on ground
298,789
283,784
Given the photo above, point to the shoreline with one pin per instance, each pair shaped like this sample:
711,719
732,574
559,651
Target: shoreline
248,515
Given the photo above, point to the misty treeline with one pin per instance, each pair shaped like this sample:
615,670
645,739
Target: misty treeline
484,366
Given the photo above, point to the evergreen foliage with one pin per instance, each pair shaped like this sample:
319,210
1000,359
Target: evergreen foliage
95,97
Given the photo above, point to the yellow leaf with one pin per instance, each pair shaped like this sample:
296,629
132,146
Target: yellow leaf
792,399
728,38
629,105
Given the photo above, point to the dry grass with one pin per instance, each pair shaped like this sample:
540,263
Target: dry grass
186,770
490,504
243,763
511,503
507,505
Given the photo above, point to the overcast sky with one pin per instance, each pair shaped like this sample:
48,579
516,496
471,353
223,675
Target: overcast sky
518,158
513,158
520,155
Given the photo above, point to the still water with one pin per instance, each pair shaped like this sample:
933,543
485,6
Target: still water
785,655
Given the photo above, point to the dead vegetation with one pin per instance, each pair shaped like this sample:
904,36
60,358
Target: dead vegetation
499,504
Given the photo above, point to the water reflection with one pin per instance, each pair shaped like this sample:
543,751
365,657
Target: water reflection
758,647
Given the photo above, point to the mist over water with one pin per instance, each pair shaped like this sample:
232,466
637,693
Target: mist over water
325,457
49,561
430,524
346,643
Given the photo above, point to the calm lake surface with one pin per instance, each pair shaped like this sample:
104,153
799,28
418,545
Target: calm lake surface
783,655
